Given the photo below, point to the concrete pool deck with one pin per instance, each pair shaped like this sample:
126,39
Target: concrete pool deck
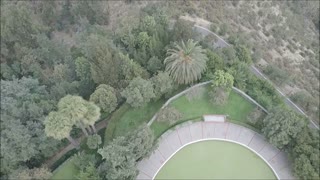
175,139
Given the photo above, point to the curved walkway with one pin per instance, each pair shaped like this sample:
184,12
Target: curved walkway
173,140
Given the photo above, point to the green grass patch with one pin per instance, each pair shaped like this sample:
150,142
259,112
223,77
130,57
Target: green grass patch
126,119
237,108
134,117
66,171
113,121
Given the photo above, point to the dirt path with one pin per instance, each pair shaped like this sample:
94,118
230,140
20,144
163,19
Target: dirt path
102,124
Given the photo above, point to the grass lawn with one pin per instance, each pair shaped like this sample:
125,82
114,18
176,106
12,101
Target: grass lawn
237,108
134,117
65,171
215,160
126,119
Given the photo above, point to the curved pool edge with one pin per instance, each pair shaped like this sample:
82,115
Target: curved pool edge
187,133
216,139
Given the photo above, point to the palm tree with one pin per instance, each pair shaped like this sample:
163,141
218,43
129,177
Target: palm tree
186,62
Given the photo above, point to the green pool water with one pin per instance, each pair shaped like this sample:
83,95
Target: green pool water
215,160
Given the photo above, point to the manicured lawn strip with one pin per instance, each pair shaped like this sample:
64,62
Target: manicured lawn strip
65,171
134,117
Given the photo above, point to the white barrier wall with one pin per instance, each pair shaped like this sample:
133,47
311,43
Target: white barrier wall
214,118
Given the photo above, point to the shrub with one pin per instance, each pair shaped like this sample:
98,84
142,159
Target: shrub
223,29
213,27
254,116
169,114
218,96
195,93
276,74
105,97
243,54
94,141
81,160
138,92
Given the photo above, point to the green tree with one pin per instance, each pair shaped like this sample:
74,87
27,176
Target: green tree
141,142
82,159
105,97
186,62
162,83
32,174
214,63
119,160
229,55
91,116
79,112
66,18
94,11
305,154
89,172
304,169
148,24
48,12
154,64
222,79
105,64
122,154
74,108
281,126
130,70
182,30
18,25
221,86
241,74
94,141
143,39
24,105
83,72
58,126
83,68
139,92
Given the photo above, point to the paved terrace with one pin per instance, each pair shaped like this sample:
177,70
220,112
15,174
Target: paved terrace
175,139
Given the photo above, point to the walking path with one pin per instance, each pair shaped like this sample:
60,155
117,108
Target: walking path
48,163
173,140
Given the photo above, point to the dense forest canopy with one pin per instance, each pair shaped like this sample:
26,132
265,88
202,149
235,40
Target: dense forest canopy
67,62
